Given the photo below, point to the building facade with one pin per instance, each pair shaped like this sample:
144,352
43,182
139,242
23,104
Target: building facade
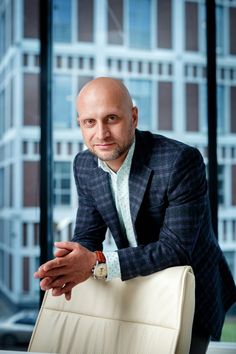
158,49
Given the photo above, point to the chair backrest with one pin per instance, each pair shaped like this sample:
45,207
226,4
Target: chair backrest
145,315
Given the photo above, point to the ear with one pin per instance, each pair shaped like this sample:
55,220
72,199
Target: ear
135,116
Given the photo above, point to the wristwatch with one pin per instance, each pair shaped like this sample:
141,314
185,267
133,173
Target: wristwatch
99,270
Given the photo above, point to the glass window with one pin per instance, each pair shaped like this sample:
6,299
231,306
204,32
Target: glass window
115,22
62,183
220,29
31,99
164,23
191,26
192,107
141,93
85,20
221,184
139,23
165,106
62,20
232,26
221,112
62,101
31,19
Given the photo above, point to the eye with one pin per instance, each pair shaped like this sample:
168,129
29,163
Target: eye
112,119
88,123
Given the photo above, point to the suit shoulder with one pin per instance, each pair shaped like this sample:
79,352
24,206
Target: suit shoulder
84,160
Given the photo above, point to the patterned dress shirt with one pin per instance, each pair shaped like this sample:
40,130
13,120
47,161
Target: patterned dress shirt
119,183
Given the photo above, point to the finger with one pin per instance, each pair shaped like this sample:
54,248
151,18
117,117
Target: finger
68,295
59,282
57,272
45,284
54,263
70,246
65,289
40,273
61,252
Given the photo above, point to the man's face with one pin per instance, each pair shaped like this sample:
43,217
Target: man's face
108,125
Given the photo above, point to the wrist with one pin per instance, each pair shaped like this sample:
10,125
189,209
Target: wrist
99,271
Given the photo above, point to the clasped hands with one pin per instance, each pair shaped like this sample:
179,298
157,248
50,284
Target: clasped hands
72,265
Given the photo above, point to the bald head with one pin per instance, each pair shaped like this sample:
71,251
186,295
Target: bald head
101,87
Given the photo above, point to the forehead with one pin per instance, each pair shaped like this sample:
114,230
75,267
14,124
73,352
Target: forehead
101,103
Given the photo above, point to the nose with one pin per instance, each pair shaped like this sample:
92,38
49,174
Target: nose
102,131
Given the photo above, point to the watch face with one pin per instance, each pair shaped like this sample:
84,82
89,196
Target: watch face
100,271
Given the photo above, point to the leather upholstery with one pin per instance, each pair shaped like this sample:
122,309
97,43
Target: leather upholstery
151,314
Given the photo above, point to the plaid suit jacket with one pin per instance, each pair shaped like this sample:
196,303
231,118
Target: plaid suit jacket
171,218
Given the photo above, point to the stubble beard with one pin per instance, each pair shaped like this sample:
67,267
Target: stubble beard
119,151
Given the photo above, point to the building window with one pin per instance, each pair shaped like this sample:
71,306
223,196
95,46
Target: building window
31,18
85,20
62,20
232,26
192,107
233,189
164,24
31,99
62,183
62,96
2,112
115,22
141,93
31,184
220,29
139,16
2,187
191,26
221,184
221,112
233,109
165,103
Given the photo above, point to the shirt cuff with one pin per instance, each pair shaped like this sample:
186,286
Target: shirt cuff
113,265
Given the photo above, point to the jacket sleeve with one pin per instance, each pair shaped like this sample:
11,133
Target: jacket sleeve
90,228
186,216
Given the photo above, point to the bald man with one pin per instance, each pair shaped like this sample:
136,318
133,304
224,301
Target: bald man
151,193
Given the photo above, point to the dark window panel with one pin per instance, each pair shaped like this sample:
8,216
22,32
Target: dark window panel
31,18
233,108
26,275
10,274
191,26
12,103
11,185
164,23
115,22
85,20
192,107
24,234
232,29
36,234
233,185
165,106
31,184
31,99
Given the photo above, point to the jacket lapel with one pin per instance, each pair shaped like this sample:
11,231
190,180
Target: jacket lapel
106,205
140,172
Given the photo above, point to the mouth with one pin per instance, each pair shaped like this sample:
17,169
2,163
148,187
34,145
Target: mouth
103,145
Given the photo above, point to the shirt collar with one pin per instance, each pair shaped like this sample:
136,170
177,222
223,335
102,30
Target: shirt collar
125,165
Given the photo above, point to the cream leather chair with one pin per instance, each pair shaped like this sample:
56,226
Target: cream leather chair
145,315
